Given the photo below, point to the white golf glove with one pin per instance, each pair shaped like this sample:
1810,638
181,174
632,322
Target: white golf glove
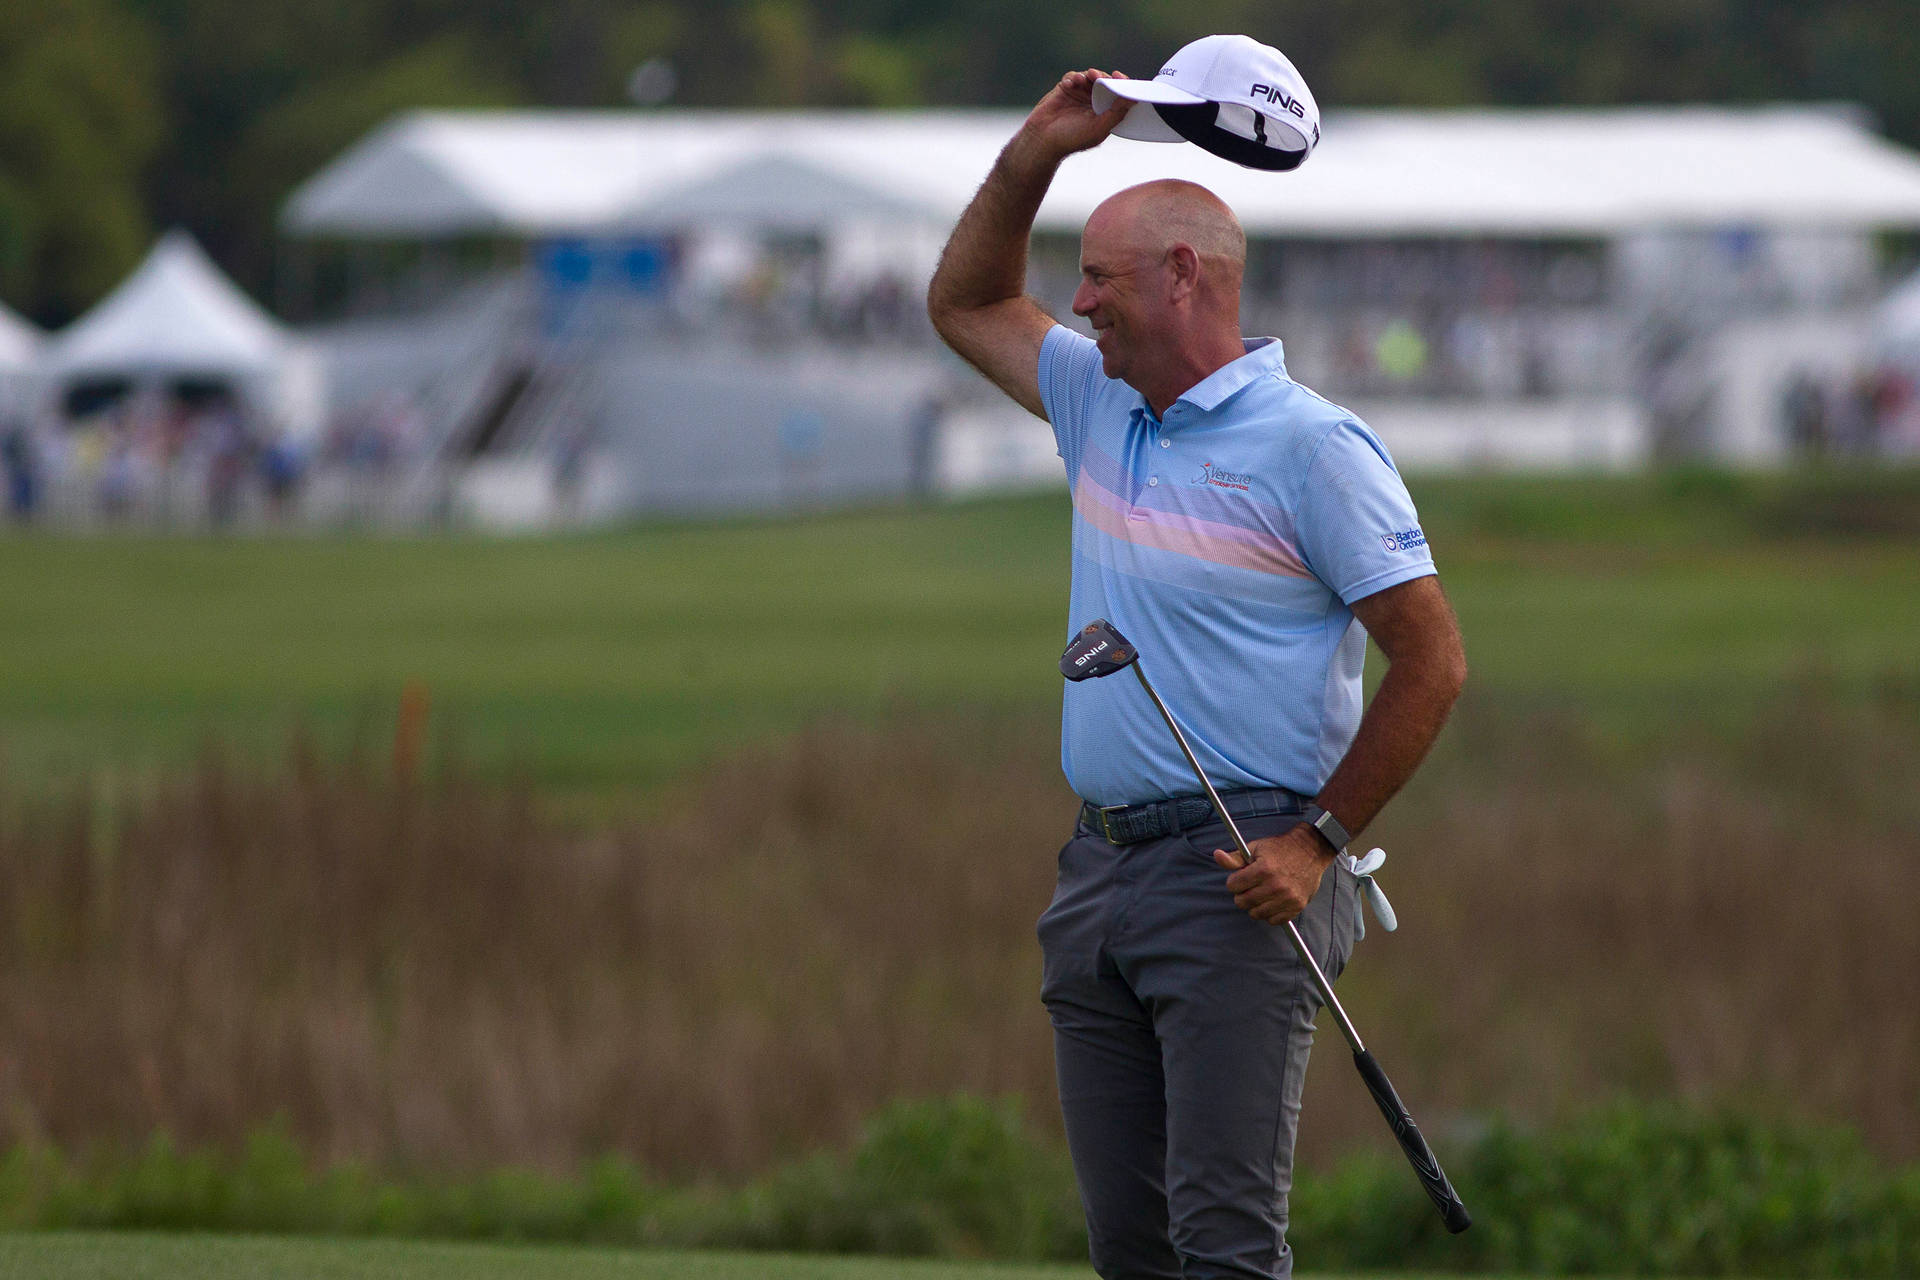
1370,888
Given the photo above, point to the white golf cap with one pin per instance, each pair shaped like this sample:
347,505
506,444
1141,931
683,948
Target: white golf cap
1238,98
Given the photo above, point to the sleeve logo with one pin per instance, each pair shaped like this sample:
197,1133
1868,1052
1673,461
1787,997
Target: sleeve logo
1404,540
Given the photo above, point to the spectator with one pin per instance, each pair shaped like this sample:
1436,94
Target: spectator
119,478
282,467
923,441
1898,434
1401,352
229,449
21,457
1805,408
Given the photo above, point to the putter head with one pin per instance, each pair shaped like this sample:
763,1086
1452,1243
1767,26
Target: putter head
1099,650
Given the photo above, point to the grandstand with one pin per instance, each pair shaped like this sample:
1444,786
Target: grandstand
1546,288
537,317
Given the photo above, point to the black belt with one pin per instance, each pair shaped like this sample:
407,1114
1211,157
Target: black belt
1132,823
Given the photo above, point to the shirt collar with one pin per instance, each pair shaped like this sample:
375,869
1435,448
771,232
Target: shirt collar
1264,356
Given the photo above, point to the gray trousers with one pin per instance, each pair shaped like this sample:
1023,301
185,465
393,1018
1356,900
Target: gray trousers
1181,1032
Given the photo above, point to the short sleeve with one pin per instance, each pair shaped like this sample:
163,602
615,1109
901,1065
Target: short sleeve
1358,530
1070,373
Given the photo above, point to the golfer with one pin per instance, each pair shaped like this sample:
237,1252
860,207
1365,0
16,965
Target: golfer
1242,532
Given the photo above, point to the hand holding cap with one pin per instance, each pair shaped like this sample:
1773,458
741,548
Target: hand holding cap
1229,94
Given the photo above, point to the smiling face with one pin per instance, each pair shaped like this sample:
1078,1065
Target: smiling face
1121,286
1160,268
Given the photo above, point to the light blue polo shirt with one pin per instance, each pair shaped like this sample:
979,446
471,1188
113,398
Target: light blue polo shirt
1226,542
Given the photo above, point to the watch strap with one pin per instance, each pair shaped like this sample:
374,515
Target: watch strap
1329,826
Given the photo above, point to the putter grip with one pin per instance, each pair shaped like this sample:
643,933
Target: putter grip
1432,1177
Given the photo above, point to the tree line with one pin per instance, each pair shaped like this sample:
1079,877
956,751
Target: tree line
118,117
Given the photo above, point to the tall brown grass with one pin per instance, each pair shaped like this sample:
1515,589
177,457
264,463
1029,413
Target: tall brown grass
433,975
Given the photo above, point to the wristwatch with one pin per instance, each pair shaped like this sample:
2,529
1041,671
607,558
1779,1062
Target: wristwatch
1328,826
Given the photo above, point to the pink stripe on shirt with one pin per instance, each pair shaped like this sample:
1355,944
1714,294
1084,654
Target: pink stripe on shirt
1188,535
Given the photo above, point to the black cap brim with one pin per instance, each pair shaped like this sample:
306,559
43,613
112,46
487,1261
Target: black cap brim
1197,124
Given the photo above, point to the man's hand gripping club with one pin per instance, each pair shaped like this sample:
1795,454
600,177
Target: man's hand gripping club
1284,876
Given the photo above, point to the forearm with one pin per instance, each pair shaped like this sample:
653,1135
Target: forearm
1398,728
985,261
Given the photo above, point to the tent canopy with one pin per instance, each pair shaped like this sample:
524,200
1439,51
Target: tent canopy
1548,172
772,193
19,342
176,315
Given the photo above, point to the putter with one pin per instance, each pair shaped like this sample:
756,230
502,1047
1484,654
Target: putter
1100,650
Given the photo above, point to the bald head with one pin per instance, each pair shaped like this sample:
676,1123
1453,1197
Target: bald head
1155,216
1160,271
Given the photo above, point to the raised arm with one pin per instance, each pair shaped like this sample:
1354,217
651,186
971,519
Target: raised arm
978,300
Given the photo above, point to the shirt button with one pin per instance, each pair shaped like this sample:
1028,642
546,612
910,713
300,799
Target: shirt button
1153,480
1166,444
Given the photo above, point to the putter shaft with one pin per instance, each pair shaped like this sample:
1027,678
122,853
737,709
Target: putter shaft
1100,650
1325,988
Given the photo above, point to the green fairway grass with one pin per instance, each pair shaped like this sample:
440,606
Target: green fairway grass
597,662
143,1256
603,663
98,1255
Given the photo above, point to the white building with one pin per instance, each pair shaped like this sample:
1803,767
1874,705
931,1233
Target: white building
1546,287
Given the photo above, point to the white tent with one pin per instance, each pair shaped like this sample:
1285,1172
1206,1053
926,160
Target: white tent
19,343
1582,172
176,315
1897,324
179,317
19,347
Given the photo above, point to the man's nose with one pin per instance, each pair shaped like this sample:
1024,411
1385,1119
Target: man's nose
1083,301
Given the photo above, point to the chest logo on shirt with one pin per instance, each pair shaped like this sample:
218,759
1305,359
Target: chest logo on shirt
1404,540
1220,478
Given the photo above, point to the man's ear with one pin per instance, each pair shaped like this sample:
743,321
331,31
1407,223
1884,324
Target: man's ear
1183,271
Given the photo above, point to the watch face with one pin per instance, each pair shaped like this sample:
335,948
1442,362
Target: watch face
1329,826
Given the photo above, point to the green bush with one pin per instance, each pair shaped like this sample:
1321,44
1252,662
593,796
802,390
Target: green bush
955,1176
1635,1189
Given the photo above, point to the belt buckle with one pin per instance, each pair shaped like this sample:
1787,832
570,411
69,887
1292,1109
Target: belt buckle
1107,830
